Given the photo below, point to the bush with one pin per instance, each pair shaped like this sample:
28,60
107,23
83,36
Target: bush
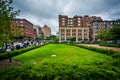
55,71
109,45
101,50
116,55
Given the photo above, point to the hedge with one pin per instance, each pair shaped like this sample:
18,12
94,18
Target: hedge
110,45
6,55
101,50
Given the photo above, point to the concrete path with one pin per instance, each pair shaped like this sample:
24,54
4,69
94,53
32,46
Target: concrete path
97,45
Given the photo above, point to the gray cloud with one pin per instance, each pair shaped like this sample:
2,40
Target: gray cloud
46,11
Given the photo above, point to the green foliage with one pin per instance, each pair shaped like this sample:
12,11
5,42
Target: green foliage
72,39
6,16
38,38
109,45
103,34
101,50
115,32
16,36
56,71
53,38
17,52
109,34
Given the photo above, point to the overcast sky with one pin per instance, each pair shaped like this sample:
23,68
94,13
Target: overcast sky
41,12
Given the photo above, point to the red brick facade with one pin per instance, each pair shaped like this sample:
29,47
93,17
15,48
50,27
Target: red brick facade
28,30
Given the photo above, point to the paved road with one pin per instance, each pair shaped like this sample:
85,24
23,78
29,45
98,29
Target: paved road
96,45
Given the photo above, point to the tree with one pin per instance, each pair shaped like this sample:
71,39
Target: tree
7,14
18,34
103,34
72,39
109,34
115,32
53,38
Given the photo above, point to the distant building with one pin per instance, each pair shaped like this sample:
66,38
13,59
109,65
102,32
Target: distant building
78,27
39,31
97,25
26,27
46,31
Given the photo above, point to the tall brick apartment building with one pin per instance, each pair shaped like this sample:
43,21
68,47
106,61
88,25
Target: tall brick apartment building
26,26
77,26
46,31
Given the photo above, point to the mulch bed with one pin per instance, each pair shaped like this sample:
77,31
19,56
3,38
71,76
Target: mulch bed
5,63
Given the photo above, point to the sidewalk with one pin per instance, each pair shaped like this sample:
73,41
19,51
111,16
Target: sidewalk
97,45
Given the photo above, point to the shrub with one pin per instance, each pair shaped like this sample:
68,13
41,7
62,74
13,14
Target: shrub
17,52
116,55
110,45
101,50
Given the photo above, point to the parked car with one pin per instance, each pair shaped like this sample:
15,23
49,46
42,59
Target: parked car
2,49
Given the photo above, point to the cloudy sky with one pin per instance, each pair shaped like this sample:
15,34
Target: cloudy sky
41,12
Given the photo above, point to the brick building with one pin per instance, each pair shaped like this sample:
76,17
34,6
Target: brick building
26,27
46,31
77,26
97,25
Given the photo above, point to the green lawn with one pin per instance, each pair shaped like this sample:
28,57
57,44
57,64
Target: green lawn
70,63
64,54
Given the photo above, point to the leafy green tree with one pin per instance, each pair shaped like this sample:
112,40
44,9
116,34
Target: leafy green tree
7,14
72,39
109,34
103,34
53,38
115,32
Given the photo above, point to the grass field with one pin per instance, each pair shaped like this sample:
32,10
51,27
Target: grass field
64,54
70,63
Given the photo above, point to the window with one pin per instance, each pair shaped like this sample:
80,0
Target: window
63,18
67,34
63,24
62,38
78,24
85,34
70,22
78,18
63,21
62,34
79,39
79,34
68,38
78,21
68,30
21,21
73,30
73,34
85,30
21,25
62,30
96,27
79,30
85,39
